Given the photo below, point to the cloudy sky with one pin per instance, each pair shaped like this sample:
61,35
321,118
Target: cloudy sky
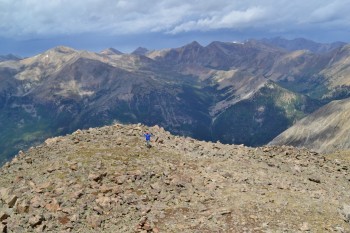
28,27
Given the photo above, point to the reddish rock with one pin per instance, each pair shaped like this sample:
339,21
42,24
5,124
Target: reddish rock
73,167
54,206
105,189
63,220
22,207
36,202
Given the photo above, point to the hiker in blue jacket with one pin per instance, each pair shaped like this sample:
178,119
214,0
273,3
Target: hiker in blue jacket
148,138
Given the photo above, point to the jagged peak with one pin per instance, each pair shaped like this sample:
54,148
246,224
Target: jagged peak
194,44
140,51
52,55
62,49
111,51
221,45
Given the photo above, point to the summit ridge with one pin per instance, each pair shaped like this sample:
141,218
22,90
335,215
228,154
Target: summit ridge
106,179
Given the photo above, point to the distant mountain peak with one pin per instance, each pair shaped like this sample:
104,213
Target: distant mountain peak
302,44
63,49
140,51
9,57
111,51
194,44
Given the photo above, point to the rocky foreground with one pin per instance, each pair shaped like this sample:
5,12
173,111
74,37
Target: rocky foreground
106,180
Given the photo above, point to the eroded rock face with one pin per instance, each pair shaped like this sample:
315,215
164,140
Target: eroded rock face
111,182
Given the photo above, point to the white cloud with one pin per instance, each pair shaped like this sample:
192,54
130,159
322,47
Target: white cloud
233,19
55,17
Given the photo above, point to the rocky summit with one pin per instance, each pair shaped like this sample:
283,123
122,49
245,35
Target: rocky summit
107,180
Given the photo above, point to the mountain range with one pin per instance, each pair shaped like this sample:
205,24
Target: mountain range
241,93
9,57
303,44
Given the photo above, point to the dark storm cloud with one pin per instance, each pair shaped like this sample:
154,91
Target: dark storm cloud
93,24
34,17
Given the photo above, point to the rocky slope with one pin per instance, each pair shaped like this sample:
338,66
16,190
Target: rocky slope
106,180
325,130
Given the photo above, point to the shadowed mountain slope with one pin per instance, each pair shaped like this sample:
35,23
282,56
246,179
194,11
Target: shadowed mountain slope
325,130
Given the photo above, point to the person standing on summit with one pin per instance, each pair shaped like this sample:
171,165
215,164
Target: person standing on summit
148,139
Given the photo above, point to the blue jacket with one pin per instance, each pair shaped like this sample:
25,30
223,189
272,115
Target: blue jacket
147,136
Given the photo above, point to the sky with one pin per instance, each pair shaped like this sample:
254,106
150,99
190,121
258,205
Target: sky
29,27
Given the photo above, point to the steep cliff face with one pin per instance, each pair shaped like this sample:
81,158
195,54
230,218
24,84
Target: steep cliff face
325,130
107,180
